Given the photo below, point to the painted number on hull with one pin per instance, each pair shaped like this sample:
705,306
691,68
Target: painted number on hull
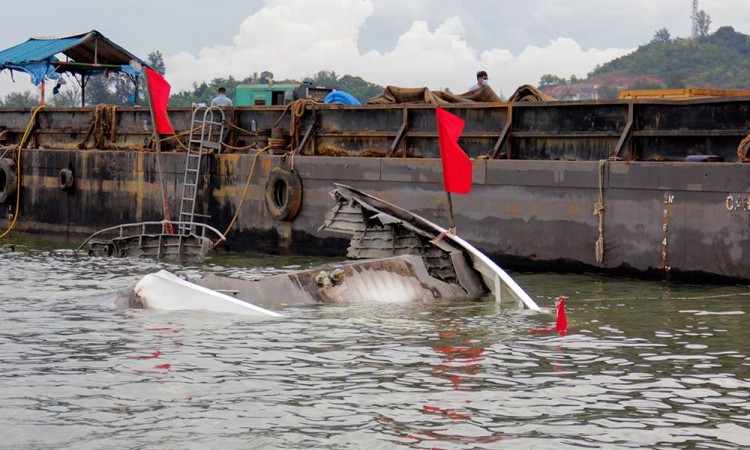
669,201
737,202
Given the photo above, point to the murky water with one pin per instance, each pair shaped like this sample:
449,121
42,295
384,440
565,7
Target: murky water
644,365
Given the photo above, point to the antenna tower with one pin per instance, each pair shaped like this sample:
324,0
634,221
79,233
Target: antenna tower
694,17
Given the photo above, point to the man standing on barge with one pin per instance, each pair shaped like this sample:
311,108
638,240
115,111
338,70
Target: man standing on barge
221,99
482,79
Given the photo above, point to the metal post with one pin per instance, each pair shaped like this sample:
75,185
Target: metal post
83,90
451,219
135,93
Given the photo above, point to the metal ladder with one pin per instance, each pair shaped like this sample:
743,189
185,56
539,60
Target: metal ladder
203,136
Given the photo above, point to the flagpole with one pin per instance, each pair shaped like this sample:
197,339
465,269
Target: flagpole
451,219
457,167
157,144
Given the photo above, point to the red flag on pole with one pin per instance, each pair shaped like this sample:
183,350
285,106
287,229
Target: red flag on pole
159,89
456,165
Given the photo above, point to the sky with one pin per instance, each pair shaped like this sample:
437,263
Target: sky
410,43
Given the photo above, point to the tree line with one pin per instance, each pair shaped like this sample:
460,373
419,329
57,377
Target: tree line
710,60
119,89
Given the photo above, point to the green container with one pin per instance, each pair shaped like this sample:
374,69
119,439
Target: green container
264,94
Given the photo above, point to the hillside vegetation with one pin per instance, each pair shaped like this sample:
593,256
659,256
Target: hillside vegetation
713,61
720,60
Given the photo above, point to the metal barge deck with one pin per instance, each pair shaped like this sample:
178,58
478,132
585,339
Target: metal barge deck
541,171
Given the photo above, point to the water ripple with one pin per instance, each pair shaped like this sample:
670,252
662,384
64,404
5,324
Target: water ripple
641,373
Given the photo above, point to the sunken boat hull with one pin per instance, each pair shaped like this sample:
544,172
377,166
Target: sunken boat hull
557,186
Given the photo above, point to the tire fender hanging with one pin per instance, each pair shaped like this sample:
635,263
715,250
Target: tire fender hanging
8,180
283,194
65,179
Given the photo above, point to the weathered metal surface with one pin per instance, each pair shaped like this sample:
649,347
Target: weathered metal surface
522,213
661,129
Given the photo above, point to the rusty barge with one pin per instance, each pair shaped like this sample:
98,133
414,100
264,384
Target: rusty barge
634,187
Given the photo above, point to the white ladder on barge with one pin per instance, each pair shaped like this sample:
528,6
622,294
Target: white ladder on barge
206,132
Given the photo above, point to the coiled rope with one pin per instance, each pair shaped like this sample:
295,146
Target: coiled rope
298,108
742,149
21,144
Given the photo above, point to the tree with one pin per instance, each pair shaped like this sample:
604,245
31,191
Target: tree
606,92
675,81
68,97
359,88
266,76
644,84
24,99
703,22
98,91
326,78
661,36
549,80
125,86
156,62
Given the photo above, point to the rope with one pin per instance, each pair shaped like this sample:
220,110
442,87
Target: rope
599,211
742,149
298,108
177,136
231,125
25,137
247,147
441,236
244,194
105,125
276,143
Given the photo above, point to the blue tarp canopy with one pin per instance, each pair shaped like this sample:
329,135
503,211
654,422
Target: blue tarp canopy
86,54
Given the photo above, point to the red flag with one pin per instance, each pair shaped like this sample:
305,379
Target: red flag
159,89
456,165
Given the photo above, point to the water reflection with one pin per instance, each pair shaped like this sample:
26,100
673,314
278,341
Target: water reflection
644,365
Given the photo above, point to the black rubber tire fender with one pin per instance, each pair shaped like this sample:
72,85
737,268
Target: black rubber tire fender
8,180
283,194
65,179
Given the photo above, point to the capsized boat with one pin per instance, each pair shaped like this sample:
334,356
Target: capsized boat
381,229
397,256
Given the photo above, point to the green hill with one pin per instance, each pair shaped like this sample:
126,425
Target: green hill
720,60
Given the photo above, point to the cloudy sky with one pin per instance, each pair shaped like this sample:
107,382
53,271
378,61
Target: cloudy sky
434,43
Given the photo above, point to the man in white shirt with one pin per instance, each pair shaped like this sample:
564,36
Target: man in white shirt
221,99
482,79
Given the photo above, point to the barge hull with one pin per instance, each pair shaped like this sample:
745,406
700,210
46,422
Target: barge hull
666,219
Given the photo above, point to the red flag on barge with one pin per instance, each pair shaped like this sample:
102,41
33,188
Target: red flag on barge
456,165
159,89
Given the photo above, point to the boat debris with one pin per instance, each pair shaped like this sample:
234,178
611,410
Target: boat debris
398,257
152,240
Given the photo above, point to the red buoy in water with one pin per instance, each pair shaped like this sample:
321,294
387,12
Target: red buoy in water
561,324
562,320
